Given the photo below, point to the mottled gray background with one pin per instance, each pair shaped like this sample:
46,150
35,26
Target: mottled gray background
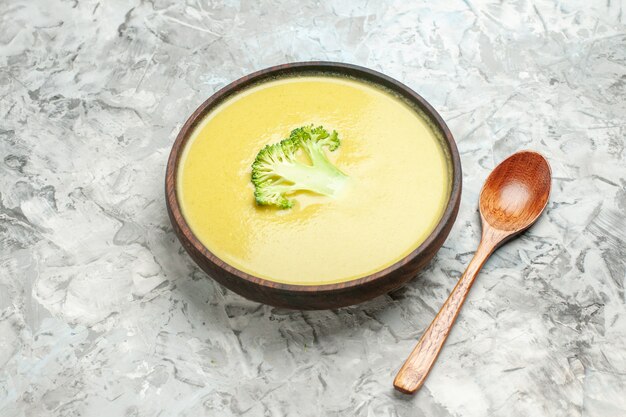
103,314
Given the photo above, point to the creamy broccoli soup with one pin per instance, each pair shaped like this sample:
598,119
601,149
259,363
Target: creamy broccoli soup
397,181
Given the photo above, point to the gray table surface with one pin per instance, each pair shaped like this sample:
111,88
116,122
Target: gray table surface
103,314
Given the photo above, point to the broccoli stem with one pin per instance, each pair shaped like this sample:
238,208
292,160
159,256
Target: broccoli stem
322,177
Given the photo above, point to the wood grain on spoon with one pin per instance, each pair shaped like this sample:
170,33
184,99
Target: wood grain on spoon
513,197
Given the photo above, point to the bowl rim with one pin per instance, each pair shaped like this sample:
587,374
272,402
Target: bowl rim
301,68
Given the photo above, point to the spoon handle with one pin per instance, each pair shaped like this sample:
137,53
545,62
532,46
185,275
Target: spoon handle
415,369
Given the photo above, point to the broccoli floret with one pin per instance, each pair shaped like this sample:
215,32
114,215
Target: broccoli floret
277,172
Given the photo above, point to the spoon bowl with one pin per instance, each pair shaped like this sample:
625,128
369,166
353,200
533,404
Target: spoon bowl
516,192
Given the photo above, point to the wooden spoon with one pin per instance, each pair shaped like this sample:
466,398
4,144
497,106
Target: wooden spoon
513,197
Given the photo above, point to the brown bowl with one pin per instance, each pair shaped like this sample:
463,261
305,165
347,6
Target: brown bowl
312,297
